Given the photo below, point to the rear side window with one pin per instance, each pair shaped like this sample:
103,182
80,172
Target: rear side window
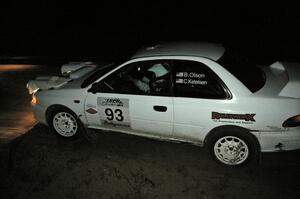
243,69
194,79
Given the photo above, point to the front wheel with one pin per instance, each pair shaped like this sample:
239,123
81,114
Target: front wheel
234,147
64,123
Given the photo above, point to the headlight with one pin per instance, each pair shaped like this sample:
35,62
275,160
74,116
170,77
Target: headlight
34,100
292,122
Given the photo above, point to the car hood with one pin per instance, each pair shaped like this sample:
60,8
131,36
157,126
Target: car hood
70,72
282,79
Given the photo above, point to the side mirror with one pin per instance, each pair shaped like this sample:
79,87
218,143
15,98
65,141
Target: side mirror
94,88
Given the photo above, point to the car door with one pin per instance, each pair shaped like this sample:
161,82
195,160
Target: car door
135,99
198,92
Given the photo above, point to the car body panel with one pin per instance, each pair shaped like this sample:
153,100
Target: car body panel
63,97
138,115
189,119
283,79
199,49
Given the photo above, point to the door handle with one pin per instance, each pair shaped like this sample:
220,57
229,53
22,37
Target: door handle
160,108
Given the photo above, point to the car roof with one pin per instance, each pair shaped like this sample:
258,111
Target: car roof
200,49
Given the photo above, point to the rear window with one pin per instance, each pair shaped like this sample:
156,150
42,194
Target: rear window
243,69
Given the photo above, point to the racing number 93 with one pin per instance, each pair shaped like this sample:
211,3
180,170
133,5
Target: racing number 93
116,114
114,111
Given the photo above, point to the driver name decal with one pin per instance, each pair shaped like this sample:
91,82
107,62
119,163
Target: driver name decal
190,78
245,118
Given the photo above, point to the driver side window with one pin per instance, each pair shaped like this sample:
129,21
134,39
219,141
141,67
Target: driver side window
142,78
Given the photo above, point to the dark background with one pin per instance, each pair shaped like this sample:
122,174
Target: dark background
39,165
97,30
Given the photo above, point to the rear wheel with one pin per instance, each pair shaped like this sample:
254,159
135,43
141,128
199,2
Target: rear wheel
231,150
233,147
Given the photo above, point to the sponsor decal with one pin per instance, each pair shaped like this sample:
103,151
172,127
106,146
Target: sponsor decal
91,111
248,117
112,102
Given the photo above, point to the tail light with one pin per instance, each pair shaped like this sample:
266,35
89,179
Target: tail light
292,122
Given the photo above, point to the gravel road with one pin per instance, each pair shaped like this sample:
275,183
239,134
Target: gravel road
39,164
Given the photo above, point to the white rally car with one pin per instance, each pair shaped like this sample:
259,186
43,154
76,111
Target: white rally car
190,92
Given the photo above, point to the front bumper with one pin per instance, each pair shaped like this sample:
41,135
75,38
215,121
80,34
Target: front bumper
280,141
40,113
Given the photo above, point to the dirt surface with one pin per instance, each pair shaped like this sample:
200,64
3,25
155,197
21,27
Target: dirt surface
16,117
41,165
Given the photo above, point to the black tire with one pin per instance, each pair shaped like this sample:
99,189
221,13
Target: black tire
233,146
64,122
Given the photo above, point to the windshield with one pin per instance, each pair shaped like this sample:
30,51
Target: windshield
97,74
244,70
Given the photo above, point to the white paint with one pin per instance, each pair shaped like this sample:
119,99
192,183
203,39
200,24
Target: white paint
190,119
200,49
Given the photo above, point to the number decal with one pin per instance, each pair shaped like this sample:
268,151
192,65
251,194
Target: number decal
119,117
110,114
114,111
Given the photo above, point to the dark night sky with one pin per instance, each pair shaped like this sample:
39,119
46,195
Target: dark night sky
98,29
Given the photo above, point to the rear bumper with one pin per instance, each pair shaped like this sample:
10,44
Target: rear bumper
280,141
